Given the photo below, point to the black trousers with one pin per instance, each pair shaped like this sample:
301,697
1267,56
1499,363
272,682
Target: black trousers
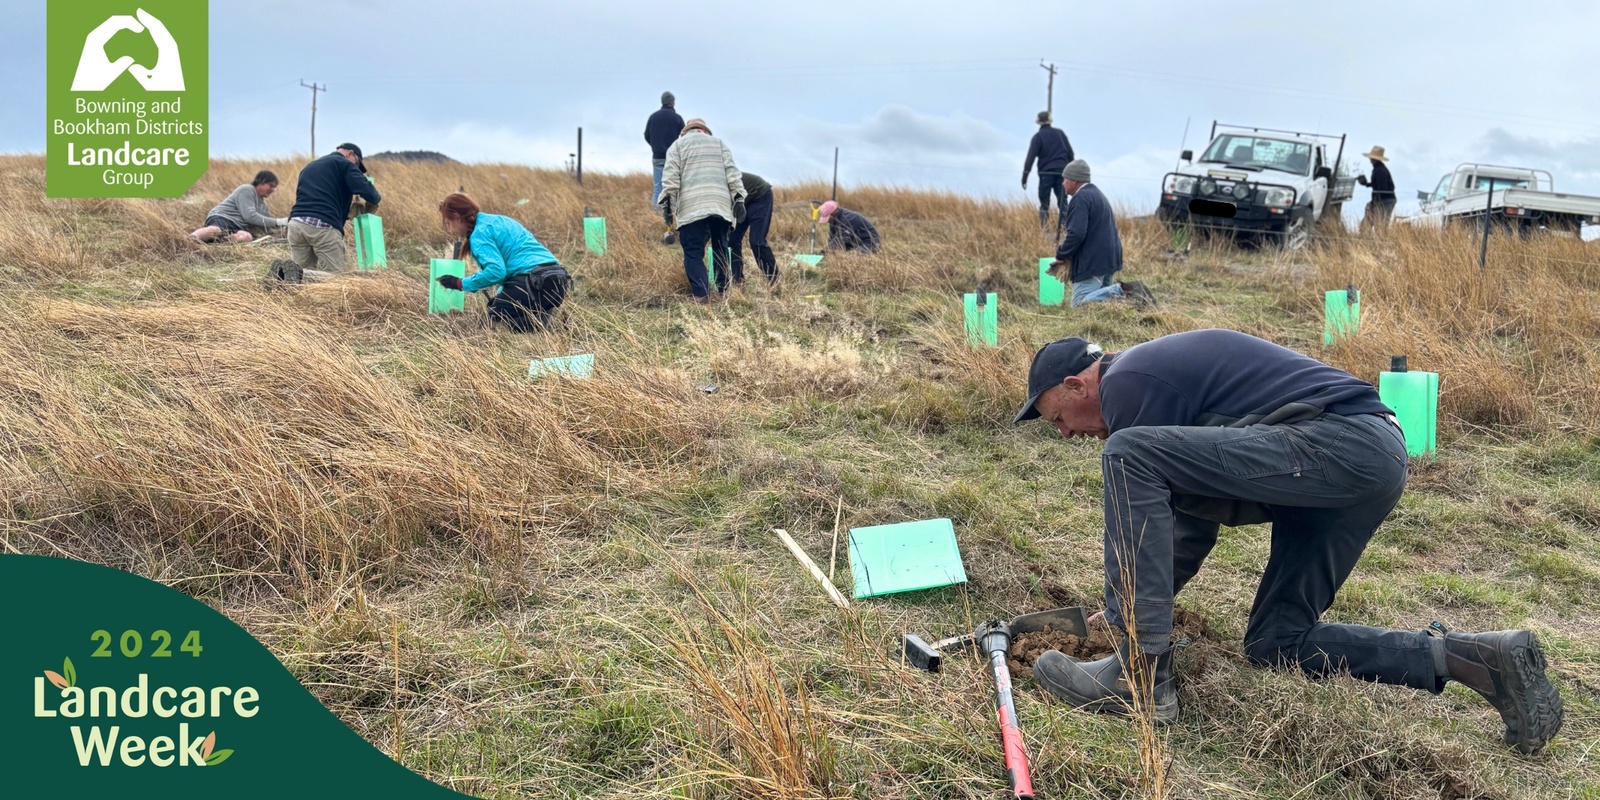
1050,184
757,222
1379,210
1325,485
694,237
527,301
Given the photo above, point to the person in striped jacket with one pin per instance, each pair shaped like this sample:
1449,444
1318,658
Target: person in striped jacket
704,190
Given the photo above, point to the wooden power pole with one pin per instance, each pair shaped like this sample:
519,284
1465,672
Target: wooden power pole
1050,96
314,89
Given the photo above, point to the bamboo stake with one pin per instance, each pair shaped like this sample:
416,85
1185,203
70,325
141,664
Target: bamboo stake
811,566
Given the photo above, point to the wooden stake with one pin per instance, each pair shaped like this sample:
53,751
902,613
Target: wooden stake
811,566
833,555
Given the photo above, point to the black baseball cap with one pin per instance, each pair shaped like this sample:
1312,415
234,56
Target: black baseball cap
352,148
1054,363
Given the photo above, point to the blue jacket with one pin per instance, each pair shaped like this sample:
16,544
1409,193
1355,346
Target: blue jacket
851,231
662,130
1051,148
325,187
1092,243
503,249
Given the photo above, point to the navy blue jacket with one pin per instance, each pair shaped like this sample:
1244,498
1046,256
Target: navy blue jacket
1219,377
851,231
1053,151
662,130
1092,243
325,186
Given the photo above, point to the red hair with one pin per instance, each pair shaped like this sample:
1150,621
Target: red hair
459,206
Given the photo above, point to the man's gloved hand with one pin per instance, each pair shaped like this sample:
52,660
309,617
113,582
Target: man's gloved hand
1059,269
450,282
666,211
1024,181
283,222
738,210
1362,179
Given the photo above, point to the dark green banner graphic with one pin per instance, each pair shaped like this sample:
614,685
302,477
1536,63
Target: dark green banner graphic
115,686
126,96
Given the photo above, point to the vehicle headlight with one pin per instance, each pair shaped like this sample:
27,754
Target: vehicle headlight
1208,186
1181,184
1241,191
1277,196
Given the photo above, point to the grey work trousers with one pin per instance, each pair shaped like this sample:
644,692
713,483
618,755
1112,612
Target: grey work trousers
1325,484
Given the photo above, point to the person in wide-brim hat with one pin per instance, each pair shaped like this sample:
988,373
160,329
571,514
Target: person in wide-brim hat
1376,154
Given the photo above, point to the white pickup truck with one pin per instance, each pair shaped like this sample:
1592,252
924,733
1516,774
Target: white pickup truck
1522,198
1277,184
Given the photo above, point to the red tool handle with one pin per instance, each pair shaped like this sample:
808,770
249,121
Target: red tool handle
1010,734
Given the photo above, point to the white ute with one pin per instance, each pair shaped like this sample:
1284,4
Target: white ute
1521,198
1274,183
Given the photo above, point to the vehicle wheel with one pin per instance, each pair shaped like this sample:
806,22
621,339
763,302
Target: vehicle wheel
1297,233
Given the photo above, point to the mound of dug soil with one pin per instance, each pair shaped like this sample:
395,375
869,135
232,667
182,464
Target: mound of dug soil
1027,647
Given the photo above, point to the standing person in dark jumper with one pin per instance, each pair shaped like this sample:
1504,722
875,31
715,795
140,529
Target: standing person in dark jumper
1052,150
322,199
757,221
532,283
661,130
848,230
1217,427
1381,206
1092,249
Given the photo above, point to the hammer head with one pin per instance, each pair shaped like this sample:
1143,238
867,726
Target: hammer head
919,654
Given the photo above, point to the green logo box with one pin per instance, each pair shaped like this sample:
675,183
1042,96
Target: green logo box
127,97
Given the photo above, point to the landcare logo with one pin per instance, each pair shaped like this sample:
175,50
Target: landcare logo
127,97
104,717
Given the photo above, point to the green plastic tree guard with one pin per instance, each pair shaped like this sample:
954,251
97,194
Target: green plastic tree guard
1341,315
1414,396
982,322
711,266
440,299
904,557
1052,292
594,234
809,259
369,242
579,366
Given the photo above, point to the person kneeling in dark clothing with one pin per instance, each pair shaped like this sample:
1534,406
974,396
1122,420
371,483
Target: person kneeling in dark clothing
757,221
848,230
1215,427
532,283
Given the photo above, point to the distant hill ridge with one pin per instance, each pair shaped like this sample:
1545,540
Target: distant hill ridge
414,155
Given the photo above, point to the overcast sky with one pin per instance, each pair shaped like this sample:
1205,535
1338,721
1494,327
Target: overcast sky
927,94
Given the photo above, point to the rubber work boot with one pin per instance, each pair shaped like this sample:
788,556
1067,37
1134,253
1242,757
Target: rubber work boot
1100,687
1507,668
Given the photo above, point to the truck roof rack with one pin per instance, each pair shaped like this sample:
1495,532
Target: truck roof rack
1338,160
1549,179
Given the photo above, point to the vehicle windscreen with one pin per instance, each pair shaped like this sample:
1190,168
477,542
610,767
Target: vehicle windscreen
1486,182
1239,150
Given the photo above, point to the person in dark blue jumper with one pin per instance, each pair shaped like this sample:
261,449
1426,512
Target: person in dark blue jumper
1092,248
1053,152
848,230
532,283
1215,427
322,199
660,131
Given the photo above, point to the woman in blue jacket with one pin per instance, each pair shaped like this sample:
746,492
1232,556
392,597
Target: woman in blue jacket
532,283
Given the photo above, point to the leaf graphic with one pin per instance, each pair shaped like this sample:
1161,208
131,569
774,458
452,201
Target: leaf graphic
55,678
205,746
218,757
69,671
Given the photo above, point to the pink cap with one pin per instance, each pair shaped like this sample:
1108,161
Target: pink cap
826,211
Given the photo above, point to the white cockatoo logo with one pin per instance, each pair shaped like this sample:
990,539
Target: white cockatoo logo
95,72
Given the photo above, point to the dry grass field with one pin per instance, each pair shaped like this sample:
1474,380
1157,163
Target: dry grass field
569,588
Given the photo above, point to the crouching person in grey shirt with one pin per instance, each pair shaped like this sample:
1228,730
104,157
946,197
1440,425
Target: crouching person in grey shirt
243,215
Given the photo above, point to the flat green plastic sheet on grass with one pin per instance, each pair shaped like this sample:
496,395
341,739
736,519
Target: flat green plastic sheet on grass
809,259
370,252
594,234
982,324
1414,396
904,557
1341,315
1052,292
579,366
440,299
